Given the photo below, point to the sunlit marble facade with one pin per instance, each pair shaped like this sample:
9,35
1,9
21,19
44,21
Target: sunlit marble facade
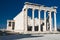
23,23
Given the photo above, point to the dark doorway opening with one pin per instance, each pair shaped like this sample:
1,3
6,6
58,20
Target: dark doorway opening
42,26
9,24
29,28
36,28
13,25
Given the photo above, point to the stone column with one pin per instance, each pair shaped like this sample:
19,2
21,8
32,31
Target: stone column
7,24
11,24
25,18
39,21
55,29
44,28
50,21
33,19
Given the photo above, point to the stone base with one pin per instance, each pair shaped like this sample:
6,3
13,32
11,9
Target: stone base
47,32
35,32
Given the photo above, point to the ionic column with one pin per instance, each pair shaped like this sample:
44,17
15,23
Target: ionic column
25,18
39,20
44,28
33,19
50,21
11,25
55,28
7,24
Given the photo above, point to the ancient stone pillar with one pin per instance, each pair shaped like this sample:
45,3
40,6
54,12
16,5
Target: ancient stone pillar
39,20
50,21
25,18
33,19
55,29
44,28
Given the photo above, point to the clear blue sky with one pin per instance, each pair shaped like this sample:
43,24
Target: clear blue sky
10,8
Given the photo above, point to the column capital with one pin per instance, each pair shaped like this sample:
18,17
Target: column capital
40,9
45,10
49,12
33,8
55,12
25,6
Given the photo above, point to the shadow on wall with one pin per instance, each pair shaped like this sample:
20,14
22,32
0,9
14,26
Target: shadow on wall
58,29
18,36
